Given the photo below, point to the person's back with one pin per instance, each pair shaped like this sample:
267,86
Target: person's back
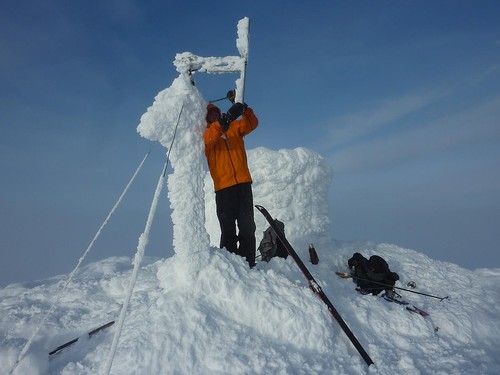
225,148
227,162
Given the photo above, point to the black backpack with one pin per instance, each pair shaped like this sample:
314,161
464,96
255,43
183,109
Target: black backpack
270,246
370,274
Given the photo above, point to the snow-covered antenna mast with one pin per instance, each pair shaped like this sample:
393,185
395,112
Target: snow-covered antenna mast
187,63
242,43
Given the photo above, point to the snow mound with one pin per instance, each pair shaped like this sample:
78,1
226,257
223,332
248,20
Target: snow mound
227,319
292,185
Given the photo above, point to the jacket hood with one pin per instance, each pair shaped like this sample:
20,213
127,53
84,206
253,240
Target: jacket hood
212,107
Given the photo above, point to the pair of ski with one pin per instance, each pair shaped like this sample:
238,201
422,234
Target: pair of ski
314,286
411,308
396,298
393,297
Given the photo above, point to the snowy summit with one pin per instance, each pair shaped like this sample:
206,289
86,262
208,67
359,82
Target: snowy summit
203,311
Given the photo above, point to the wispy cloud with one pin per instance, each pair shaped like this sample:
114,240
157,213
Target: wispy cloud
349,128
480,123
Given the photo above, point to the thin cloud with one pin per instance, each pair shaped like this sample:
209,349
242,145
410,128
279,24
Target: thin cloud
352,127
473,125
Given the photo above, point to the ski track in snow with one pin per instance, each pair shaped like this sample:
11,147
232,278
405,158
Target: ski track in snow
203,311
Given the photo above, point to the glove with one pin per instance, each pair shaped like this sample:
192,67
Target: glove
236,110
225,121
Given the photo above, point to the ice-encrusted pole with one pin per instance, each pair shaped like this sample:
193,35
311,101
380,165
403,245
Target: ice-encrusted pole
186,155
186,184
242,43
187,62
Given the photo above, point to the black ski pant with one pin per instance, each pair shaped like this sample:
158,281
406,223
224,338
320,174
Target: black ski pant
235,206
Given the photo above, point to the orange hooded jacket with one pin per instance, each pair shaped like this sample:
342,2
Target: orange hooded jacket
225,152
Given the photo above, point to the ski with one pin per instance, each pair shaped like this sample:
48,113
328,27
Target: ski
410,307
392,298
314,286
89,334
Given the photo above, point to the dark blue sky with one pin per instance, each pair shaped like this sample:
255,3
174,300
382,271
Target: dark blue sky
401,98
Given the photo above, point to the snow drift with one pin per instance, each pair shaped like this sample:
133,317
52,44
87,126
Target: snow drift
227,319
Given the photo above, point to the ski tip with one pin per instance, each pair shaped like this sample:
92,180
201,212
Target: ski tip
98,329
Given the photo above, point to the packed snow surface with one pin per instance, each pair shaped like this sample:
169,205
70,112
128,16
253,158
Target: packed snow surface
227,319
203,311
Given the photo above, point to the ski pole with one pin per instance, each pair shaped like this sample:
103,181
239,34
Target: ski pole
395,287
231,95
217,100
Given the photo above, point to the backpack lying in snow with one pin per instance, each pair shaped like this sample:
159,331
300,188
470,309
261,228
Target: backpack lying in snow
270,246
371,275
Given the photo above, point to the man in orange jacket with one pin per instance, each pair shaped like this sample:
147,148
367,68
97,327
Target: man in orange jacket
227,162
